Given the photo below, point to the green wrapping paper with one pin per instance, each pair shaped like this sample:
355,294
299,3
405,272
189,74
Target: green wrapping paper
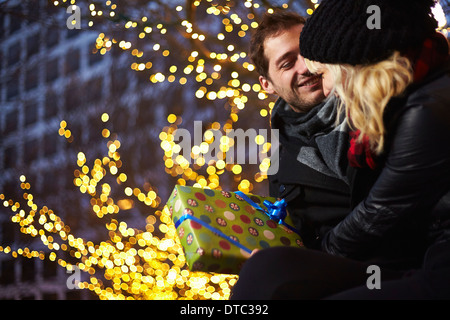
219,229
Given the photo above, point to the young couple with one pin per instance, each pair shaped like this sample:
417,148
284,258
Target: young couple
364,120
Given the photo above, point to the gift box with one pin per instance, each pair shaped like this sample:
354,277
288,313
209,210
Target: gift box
219,229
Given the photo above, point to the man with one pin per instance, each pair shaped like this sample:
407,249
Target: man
311,175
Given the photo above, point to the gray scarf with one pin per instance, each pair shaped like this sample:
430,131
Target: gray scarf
320,142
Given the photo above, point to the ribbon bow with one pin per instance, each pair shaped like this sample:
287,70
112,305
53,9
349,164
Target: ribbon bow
276,211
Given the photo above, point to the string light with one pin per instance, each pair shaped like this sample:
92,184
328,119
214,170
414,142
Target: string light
137,263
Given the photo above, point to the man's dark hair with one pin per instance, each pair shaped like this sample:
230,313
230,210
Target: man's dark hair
271,25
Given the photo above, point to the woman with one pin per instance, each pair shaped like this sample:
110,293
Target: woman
394,83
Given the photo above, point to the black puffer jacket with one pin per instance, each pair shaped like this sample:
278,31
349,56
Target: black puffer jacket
403,207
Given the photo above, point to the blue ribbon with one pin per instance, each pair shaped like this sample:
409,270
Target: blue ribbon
276,211
215,230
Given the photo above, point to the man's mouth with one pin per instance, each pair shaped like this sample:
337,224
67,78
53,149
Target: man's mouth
311,81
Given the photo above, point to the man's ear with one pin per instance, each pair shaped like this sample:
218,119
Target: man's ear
266,85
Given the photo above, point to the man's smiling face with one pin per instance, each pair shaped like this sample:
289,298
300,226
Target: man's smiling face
288,76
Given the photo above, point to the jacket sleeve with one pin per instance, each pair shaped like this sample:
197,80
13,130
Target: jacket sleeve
415,176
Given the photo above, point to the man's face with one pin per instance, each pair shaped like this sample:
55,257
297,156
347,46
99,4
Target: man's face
288,76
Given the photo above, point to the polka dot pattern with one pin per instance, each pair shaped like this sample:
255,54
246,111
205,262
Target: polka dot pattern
200,196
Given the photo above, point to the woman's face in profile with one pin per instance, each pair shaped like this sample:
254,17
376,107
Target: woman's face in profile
327,81
327,76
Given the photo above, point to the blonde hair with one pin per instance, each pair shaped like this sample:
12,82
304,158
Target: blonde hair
365,91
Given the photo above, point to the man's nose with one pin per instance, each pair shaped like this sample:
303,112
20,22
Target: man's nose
301,65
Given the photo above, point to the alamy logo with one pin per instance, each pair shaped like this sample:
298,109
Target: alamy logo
74,20
73,280
374,20
374,280
235,144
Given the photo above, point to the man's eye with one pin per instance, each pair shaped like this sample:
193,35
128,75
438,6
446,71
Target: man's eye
287,65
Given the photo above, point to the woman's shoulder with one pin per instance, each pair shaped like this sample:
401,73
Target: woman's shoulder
431,97
435,88
421,119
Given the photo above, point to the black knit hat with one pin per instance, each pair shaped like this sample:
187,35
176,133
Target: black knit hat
338,31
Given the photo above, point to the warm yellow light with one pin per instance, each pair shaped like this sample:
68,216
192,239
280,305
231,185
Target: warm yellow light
171,118
105,117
